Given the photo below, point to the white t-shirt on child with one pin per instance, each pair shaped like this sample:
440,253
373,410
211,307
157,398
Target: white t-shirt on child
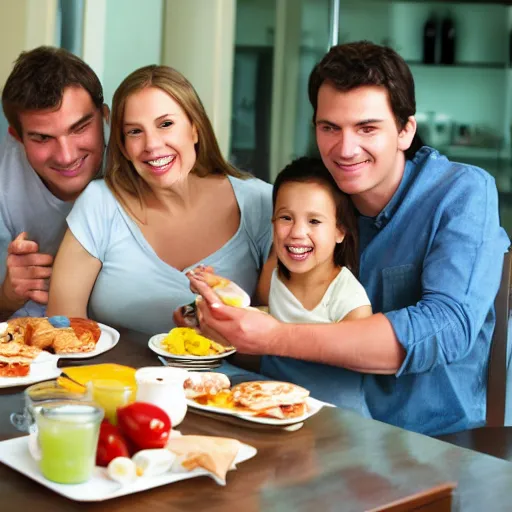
344,294
332,384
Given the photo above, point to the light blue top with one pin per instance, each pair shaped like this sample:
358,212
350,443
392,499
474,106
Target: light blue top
135,288
26,204
432,262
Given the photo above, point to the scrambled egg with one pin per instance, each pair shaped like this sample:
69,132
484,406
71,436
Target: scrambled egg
183,341
222,399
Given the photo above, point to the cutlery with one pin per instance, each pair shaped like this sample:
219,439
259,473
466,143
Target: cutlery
65,375
195,365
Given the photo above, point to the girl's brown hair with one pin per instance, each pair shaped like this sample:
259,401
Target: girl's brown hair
312,170
120,176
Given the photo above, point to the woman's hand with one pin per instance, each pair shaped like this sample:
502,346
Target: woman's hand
248,329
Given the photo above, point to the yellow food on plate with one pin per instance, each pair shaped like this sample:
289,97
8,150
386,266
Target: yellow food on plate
183,341
222,399
197,345
103,371
237,302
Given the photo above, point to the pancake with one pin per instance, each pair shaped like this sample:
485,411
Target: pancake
271,398
15,359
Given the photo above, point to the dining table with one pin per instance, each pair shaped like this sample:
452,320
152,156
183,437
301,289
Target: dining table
338,460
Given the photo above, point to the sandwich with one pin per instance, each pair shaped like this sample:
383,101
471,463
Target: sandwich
15,359
272,399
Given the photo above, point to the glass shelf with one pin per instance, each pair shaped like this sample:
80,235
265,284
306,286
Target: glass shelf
475,65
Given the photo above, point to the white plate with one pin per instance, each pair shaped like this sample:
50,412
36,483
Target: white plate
108,340
155,344
44,367
313,404
14,453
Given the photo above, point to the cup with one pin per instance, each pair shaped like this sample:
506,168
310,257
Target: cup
163,387
111,394
67,438
37,394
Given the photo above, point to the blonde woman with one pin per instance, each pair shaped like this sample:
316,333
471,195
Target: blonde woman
169,202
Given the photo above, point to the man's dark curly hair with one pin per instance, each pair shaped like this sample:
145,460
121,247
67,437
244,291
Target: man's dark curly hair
38,81
351,65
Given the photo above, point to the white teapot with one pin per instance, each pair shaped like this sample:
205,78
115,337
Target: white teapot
163,386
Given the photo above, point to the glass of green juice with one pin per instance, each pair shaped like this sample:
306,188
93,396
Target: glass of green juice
67,435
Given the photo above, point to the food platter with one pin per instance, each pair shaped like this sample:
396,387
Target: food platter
108,340
44,366
313,407
15,454
155,344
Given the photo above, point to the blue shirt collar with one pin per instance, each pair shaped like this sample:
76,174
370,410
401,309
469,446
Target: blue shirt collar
407,178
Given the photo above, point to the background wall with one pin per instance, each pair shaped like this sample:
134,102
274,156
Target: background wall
133,38
24,24
198,41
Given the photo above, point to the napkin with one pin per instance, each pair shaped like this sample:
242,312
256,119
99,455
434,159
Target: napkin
215,454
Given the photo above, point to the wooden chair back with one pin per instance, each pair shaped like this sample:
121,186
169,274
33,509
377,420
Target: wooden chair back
497,371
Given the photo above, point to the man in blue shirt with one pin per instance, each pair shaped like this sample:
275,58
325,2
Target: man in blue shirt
431,255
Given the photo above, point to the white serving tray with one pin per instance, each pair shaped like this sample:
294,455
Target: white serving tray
314,406
14,453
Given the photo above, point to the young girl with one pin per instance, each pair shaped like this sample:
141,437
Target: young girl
315,239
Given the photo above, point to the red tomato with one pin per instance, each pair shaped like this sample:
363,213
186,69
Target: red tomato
111,444
146,425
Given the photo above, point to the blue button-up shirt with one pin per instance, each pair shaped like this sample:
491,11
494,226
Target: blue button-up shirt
431,261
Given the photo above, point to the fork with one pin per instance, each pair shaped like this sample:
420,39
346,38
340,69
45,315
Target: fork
198,367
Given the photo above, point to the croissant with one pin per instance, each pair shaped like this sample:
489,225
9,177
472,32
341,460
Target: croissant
40,333
81,335
29,331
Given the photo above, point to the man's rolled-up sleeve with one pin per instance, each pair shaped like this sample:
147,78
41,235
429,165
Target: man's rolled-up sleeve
460,278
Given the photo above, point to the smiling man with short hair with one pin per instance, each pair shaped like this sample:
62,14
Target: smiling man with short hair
53,103
431,255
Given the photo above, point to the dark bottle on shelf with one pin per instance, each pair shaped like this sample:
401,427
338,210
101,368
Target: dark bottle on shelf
448,41
429,41
510,49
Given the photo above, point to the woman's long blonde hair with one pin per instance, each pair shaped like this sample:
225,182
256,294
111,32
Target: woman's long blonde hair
120,175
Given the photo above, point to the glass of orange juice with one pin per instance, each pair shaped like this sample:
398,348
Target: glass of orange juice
110,394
